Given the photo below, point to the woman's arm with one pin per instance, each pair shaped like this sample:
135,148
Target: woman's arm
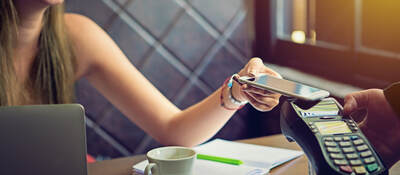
110,72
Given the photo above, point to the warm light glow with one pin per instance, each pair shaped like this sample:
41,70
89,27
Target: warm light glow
313,37
298,36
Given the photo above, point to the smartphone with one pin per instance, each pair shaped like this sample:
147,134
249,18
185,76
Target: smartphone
284,87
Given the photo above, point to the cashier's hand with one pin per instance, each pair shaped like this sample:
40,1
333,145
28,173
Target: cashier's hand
260,99
378,122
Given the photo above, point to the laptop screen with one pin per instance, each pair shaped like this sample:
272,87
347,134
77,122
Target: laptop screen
43,139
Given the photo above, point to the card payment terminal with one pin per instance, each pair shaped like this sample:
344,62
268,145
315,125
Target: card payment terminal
333,143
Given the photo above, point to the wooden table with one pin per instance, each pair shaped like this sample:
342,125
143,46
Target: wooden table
298,166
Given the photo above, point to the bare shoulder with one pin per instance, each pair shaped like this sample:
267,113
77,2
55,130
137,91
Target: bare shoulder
85,33
72,19
87,39
93,48
80,25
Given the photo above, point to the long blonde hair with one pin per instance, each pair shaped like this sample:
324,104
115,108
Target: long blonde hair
52,74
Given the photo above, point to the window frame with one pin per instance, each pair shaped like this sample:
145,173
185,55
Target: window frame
353,65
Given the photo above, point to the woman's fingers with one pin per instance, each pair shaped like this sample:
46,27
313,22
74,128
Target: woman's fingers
268,100
252,68
262,103
259,106
261,99
255,67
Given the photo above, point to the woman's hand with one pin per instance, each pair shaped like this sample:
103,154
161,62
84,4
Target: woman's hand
260,99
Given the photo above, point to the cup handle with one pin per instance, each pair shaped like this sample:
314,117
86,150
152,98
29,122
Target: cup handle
149,168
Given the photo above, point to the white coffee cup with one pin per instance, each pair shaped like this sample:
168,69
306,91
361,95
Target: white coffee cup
171,160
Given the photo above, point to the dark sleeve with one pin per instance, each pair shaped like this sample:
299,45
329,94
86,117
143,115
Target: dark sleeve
392,94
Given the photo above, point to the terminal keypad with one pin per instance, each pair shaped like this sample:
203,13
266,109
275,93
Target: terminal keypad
350,154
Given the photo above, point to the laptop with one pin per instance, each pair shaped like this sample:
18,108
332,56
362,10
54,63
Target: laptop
43,140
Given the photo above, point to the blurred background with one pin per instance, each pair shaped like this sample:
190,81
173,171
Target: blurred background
187,48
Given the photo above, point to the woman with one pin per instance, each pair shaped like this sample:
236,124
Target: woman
50,50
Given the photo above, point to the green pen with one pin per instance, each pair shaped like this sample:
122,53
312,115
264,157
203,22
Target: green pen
219,159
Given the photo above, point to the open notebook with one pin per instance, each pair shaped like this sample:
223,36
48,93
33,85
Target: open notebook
258,160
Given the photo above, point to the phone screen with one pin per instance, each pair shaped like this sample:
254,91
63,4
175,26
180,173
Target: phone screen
289,87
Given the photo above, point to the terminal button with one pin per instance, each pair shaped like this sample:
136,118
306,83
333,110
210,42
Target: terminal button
369,160
362,148
346,138
328,138
373,167
351,156
353,137
360,170
358,142
330,144
352,124
348,150
338,139
340,162
366,154
355,162
336,156
333,150
345,144
346,169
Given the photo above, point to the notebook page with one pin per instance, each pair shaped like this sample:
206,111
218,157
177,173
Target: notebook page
248,152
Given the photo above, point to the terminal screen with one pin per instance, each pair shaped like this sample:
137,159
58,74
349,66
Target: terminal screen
323,108
333,127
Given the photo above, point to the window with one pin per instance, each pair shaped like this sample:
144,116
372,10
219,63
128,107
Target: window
353,41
